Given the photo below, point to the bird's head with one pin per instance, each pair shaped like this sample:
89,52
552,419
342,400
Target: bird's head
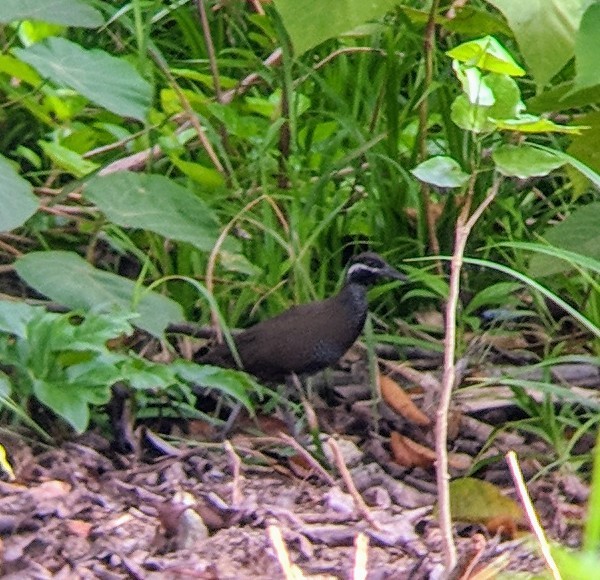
368,267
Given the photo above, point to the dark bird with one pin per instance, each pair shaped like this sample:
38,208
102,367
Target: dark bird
310,337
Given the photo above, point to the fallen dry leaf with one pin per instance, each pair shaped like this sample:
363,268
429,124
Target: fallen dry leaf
400,402
409,453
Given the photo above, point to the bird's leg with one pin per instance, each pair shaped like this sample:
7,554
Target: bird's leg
309,413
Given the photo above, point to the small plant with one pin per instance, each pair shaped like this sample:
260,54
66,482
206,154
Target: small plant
69,362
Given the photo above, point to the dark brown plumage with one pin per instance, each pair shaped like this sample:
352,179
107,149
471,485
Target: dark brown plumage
310,337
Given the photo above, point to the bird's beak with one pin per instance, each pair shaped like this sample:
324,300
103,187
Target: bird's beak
392,273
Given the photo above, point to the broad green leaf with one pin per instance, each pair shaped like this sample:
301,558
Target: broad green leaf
578,233
234,383
93,332
533,124
68,160
475,500
441,171
14,317
16,197
465,20
586,149
142,374
584,169
524,161
508,103
561,97
479,119
68,279
470,117
486,54
71,401
106,80
155,203
573,259
545,31
65,12
587,49
310,22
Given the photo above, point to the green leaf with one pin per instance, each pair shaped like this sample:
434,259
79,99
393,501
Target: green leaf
586,148
475,500
573,312
499,293
479,119
65,12
155,203
533,124
486,54
545,31
587,48
310,22
14,317
578,233
441,171
93,332
108,81
71,401
142,374
473,84
16,197
16,68
68,160
206,176
68,279
525,161
236,384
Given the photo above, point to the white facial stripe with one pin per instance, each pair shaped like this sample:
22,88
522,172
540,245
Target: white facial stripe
361,268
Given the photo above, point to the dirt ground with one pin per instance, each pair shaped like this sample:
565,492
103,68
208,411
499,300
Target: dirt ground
182,507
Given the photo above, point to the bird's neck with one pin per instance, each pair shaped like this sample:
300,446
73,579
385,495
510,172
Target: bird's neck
354,298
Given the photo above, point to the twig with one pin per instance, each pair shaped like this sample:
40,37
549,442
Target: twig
358,500
463,229
236,492
517,475
318,468
212,259
191,114
290,571
428,46
210,48
361,545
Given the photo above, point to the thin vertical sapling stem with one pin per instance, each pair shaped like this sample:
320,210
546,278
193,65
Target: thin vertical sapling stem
464,226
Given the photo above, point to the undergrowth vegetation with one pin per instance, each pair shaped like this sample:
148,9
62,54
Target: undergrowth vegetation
256,147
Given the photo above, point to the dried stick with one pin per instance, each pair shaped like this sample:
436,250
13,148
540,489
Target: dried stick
236,492
210,48
463,228
517,475
361,545
316,466
428,47
363,508
290,571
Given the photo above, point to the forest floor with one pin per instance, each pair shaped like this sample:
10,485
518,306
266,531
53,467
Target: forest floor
182,507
